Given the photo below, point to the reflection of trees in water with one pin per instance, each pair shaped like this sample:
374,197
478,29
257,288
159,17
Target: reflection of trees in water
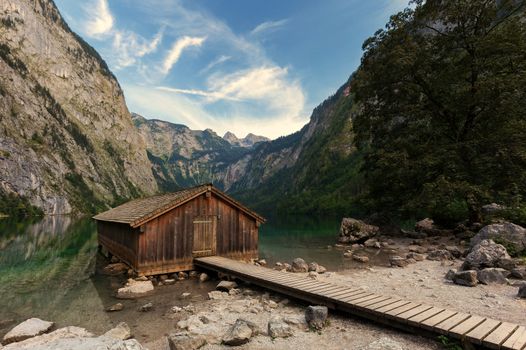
41,262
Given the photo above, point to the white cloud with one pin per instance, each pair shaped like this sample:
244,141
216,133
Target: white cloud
269,25
128,46
177,49
221,59
177,108
209,94
261,100
100,19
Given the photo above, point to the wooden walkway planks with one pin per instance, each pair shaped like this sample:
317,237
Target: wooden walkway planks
391,310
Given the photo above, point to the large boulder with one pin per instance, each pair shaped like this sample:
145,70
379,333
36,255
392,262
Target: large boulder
135,289
356,231
316,316
240,333
299,265
485,254
184,341
73,338
511,235
492,275
27,329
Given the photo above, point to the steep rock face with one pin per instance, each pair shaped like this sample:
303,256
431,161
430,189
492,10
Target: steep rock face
313,170
67,141
183,157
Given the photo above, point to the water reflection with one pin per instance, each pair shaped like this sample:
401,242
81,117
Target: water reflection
41,262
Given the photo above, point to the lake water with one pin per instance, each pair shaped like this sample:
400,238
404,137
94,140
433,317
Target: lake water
50,269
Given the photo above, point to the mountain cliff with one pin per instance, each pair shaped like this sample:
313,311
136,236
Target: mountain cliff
182,157
67,142
248,141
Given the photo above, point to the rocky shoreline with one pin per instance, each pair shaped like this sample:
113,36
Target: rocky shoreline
191,310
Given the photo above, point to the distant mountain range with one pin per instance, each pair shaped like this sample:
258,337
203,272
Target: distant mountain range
69,143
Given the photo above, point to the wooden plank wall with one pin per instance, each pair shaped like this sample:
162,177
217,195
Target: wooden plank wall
120,240
166,242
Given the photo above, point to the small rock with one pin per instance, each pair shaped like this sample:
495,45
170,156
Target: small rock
234,291
240,333
193,274
426,226
299,265
522,291
321,269
169,281
370,243
176,309
262,262
455,251
398,261
347,255
439,254
121,332
185,295
416,256
278,328
466,278
519,273
182,276
316,316
313,266
217,295
491,275
361,258
27,329
141,278
384,344
115,269
146,307
203,277
134,289
287,267
450,275
417,249
183,341
163,278
226,285
115,307
313,275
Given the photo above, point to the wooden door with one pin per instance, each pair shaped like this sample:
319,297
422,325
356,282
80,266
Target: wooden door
204,238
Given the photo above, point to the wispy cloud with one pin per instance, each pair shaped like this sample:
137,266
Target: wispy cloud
177,49
100,19
267,26
211,95
221,59
128,46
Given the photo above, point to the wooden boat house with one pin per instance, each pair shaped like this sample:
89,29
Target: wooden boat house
162,234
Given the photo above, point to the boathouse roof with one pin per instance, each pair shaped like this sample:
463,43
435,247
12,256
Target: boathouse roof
139,211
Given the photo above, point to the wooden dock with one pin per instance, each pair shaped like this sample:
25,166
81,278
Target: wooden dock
394,311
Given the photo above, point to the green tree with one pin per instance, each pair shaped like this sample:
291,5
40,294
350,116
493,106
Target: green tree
442,92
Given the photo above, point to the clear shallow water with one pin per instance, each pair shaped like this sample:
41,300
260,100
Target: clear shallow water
310,238
50,269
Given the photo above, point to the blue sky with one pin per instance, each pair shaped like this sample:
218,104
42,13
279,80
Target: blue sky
257,66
